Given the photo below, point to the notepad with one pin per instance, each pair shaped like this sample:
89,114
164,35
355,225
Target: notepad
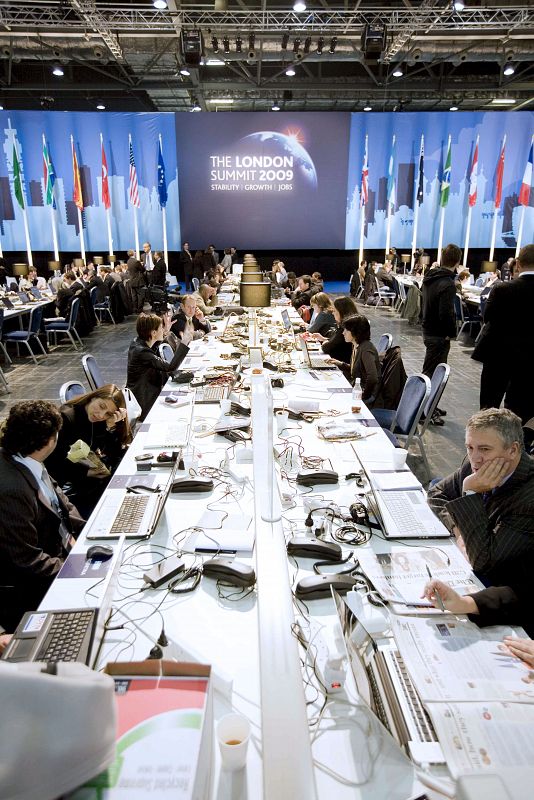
387,480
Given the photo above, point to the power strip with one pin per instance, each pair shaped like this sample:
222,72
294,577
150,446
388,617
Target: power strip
330,660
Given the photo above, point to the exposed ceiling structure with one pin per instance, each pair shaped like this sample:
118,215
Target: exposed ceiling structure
128,56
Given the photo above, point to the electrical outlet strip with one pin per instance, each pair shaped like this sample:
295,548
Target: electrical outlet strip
330,660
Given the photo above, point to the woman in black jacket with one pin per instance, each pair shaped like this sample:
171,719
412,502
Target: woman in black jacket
147,372
364,363
99,419
335,345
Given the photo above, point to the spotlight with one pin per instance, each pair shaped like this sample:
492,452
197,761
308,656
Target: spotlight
160,4
458,5
509,69
333,44
251,42
367,107
299,7
195,106
226,44
184,71
307,44
275,107
101,107
320,45
398,73
290,71
453,108
215,44
2,107
58,70
285,41
296,45
239,45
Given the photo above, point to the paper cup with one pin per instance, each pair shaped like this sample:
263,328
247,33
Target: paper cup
233,733
399,456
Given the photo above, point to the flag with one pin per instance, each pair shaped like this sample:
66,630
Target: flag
524,192
421,178
106,198
473,178
162,183
364,194
498,179
17,178
77,195
134,188
446,179
392,191
49,177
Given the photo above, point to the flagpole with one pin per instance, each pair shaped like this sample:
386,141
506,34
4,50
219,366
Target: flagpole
80,221
442,216
164,216
469,210
495,212
416,214
52,218
108,217
522,220
362,227
136,229
362,198
388,229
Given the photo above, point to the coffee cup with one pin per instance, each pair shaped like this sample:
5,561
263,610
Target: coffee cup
233,734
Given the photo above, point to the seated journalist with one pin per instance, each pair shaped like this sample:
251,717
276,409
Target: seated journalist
489,506
189,319
37,521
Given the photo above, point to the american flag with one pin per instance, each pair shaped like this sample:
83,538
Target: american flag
364,196
134,188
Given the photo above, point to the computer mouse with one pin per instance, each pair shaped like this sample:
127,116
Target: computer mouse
229,571
316,586
193,485
99,552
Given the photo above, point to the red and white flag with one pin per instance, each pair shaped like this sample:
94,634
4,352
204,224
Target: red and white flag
364,194
499,177
524,192
106,197
134,188
473,178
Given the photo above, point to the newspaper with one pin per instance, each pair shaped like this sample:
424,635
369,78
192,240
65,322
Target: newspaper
400,575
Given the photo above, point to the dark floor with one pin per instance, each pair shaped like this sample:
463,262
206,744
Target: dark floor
109,344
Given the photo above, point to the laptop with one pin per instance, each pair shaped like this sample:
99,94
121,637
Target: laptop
7,302
24,298
285,320
384,685
314,361
134,516
36,293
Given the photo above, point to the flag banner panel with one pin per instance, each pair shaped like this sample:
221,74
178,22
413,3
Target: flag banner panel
28,128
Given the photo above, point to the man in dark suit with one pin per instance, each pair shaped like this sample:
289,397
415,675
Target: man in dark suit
489,506
65,294
158,275
189,318
508,342
37,522
304,292
136,282
439,317
186,263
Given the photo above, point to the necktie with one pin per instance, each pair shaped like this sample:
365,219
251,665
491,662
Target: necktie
64,532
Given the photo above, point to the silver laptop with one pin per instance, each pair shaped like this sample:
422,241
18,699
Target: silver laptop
314,361
123,513
386,688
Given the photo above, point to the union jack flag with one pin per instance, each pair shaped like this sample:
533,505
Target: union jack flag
364,194
134,188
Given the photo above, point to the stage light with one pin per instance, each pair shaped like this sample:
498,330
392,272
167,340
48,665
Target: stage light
307,44
195,106
503,101
458,5
368,107
161,5
101,107
58,71
239,45
290,72
333,44
214,62
453,108
226,44
285,41
221,101
184,71
509,69
320,45
275,107
251,43
214,44
296,45
299,7
2,107
398,73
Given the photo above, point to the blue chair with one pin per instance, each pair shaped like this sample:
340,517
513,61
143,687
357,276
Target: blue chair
71,389
438,382
66,326
26,336
92,372
100,308
2,346
404,421
463,316
165,352
382,293
384,343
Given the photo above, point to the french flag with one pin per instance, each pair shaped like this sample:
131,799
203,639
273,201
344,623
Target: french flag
524,192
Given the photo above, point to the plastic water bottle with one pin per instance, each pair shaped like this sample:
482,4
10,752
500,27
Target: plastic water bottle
357,396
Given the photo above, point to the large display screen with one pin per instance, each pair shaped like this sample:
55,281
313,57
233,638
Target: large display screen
253,180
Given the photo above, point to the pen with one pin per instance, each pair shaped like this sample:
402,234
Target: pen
440,601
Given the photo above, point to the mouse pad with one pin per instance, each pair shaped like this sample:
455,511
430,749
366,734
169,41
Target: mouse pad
77,566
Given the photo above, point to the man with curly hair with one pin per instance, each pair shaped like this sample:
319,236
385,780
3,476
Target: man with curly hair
37,521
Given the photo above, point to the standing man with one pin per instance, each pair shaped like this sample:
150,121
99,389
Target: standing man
439,317
158,276
508,341
186,262
136,282
147,259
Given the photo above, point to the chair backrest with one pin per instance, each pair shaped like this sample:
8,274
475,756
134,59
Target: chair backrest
412,402
384,343
71,389
92,372
458,308
36,315
438,382
165,352
196,283
74,308
1,320
93,294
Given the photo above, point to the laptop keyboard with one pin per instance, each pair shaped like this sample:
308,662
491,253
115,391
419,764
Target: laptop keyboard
130,515
418,713
211,394
400,509
380,709
68,633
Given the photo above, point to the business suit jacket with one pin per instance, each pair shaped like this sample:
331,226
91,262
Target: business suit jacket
186,262
179,322
64,299
159,273
147,372
136,273
498,532
31,550
508,311
336,346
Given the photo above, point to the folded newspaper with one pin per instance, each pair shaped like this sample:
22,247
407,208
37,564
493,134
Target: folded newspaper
81,453
341,430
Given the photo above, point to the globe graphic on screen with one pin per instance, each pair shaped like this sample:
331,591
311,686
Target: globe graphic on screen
271,143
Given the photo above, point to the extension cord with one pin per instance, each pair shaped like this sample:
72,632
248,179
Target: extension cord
328,658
